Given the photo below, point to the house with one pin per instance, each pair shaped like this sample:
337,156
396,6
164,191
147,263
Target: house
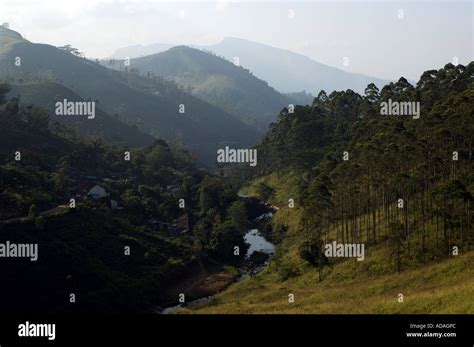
97,192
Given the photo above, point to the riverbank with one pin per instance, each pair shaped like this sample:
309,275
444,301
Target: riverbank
348,286
204,283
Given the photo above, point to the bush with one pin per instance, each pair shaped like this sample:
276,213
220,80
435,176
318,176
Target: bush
310,250
265,192
287,271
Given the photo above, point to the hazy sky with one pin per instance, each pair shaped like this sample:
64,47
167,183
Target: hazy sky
380,38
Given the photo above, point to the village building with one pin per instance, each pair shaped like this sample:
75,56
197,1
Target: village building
97,192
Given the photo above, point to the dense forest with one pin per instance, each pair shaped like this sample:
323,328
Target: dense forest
390,179
116,227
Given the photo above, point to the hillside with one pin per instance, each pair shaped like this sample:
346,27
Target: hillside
81,249
46,93
153,105
217,81
9,39
436,288
83,253
288,71
110,230
400,185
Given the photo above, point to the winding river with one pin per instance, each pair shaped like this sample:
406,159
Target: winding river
257,243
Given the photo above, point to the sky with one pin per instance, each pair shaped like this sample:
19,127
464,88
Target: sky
385,39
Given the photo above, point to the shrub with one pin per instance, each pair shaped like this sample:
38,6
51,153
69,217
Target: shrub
310,250
288,270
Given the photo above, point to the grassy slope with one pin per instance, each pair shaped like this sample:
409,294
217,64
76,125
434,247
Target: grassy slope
446,287
349,286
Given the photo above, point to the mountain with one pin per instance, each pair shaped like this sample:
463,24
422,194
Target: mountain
300,98
152,104
284,70
140,50
288,71
217,81
46,93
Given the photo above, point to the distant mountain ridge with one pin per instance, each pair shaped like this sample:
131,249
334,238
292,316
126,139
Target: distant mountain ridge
217,81
288,71
152,105
284,70
137,51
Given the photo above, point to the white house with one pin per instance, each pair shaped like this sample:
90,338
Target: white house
97,192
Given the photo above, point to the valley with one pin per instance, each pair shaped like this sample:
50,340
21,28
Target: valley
178,182
236,170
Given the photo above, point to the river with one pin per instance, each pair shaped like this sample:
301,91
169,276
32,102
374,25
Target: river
256,242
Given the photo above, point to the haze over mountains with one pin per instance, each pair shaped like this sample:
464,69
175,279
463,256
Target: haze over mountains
150,105
46,93
184,95
181,177
140,50
284,70
217,81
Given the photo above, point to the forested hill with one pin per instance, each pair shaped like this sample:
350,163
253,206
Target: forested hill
81,248
46,94
355,161
401,186
284,70
154,106
348,121
119,228
217,81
